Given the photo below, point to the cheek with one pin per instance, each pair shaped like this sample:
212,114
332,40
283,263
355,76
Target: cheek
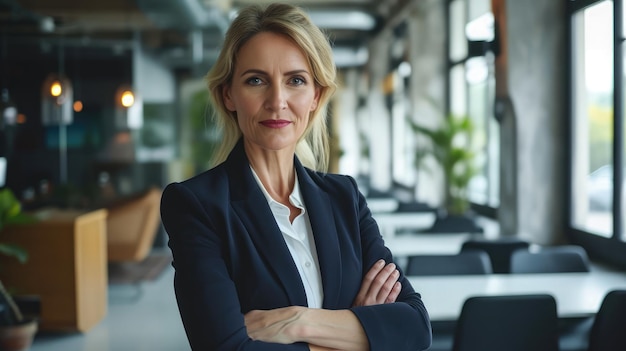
306,104
247,103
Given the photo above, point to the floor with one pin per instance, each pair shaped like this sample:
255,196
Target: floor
148,322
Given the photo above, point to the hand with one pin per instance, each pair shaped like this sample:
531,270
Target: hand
380,285
275,325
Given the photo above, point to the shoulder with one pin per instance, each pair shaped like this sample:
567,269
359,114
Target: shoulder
201,180
210,184
333,182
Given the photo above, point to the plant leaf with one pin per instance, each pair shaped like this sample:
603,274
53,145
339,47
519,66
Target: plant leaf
15,251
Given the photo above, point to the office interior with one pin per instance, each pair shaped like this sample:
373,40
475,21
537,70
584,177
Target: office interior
540,81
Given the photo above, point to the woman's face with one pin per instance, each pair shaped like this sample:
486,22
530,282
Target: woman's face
272,92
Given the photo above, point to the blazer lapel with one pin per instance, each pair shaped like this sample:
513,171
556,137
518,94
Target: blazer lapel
325,233
251,206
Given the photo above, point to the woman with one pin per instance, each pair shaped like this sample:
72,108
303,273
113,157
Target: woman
270,254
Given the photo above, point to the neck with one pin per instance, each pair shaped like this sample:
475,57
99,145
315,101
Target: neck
276,171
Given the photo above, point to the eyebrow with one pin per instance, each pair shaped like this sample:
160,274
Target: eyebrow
258,71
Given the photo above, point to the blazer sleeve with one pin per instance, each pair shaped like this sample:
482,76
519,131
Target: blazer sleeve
206,295
403,325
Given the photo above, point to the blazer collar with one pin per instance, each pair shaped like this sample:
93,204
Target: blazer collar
322,220
251,206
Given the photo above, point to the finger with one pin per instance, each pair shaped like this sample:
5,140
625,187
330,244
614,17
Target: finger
367,282
372,274
387,286
381,278
395,292
373,295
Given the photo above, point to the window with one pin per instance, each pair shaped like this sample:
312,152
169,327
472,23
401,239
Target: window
402,140
592,185
472,92
598,195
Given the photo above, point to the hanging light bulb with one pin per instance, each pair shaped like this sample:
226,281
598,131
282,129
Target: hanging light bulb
128,110
57,100
127,99
56,89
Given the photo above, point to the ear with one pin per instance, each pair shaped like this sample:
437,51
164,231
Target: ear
316,98
228,100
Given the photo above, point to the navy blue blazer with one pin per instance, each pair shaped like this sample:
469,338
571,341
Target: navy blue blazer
230,257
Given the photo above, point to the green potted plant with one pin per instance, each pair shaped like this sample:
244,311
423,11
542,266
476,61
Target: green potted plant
450,147
205,137
16,331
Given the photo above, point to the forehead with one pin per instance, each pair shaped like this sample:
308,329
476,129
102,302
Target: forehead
268,48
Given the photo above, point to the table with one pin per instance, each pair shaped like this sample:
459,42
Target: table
426,244
576,294
382,204
67,267
391,221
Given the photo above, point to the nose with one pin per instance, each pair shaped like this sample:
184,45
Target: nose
276,98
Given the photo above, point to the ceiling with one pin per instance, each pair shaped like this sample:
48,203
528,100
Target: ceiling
180,33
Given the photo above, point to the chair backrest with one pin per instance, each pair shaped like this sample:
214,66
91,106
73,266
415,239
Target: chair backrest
132,226
469,262
608,332
499,250
556,259
511,323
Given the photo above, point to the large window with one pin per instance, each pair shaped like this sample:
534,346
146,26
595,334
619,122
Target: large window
597,129
472,91
403,169
592,162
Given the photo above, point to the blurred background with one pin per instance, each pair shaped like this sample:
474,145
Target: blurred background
102,100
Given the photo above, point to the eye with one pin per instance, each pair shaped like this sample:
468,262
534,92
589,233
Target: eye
254,81
297,81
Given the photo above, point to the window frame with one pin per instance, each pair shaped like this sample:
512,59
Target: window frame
486,210
612,249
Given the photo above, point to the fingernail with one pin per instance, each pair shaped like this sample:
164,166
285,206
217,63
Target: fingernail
380,262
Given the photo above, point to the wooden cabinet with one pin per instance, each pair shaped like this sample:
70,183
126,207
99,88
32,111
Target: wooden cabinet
67,267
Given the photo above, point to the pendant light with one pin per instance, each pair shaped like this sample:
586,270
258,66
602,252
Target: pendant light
57,100
128,108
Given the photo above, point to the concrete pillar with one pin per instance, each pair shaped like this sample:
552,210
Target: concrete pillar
427,85
379,119
536,37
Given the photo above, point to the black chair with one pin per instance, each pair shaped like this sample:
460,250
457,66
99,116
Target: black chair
608,332
469,262
556,259
507,323
499,250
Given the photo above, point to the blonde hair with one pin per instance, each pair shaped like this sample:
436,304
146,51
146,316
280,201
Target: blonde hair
292,22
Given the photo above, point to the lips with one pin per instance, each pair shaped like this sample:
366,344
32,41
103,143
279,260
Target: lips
275,123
